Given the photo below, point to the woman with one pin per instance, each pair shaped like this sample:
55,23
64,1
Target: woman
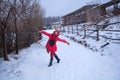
51,44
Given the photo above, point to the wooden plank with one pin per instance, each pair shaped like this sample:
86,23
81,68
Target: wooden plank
111,30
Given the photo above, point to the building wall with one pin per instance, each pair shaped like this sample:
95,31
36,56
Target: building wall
75,18
86,15
95,14
54,26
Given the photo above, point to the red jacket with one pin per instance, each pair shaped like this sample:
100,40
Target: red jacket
52,48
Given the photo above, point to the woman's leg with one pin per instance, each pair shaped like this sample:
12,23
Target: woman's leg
58,60
50,64
51,59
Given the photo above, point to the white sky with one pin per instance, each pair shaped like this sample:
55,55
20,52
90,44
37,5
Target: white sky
62,7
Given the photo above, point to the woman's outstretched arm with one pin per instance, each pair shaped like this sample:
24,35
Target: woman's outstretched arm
62,40
44,32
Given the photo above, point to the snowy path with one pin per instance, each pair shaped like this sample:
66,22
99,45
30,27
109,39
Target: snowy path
77,63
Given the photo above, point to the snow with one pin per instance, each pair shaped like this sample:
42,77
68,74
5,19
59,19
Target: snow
77,61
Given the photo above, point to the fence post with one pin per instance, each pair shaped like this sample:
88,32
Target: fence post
68,29
84,32
77,30
60,28
97,30
72,28
64,28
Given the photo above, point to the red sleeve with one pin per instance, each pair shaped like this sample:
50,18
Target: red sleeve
44,32
62,40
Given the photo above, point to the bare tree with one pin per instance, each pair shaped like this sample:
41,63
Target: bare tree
19,22
5,13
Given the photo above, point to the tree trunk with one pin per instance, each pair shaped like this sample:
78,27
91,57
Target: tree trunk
16,35
4,46
15,18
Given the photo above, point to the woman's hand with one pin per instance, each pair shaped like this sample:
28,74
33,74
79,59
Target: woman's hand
39,31
67,43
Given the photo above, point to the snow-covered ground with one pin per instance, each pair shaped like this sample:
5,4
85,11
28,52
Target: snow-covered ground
77,63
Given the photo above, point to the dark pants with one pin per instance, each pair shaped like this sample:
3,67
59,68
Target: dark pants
52,55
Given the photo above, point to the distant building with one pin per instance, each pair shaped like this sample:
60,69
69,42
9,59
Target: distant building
89,13
78,16
56,25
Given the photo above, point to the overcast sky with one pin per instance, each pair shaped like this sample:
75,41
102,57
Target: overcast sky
62,7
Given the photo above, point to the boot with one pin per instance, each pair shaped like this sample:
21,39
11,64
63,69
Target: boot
56,57
50,64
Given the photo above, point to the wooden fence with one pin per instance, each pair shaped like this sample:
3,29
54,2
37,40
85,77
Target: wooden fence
88,30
